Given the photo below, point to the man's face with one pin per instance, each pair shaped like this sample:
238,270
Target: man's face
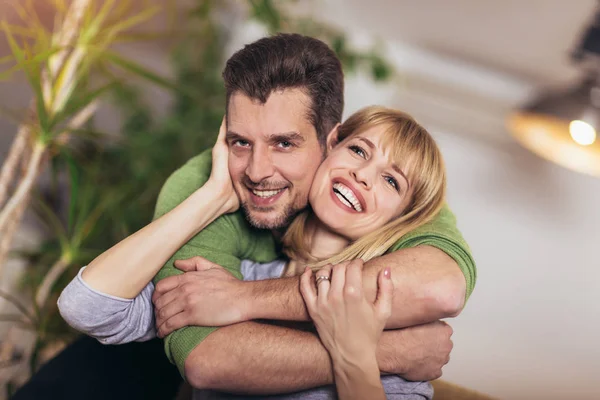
273,155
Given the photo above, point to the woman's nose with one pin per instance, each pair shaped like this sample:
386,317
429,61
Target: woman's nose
361,176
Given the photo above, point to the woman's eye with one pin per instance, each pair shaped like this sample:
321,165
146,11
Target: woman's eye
358,150
392,182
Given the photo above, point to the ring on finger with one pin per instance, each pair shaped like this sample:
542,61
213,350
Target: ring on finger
322,278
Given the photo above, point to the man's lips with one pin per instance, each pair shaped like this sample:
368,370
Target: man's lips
263,198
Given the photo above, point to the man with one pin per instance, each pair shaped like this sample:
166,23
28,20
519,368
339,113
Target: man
284,95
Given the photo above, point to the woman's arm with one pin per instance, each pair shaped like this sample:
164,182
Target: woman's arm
349,326
110,319
126,268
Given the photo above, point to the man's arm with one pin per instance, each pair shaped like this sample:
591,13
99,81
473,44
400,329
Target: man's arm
256,358
428,285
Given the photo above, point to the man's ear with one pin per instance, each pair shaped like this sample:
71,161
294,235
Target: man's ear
332,138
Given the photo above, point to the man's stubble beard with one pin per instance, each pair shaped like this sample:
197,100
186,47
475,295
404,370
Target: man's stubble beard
281,222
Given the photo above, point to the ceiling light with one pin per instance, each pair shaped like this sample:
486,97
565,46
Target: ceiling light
562,127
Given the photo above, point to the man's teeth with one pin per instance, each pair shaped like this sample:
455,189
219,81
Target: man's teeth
347,197
266,193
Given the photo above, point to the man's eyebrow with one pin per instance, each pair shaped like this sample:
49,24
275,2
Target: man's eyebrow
230,135
287,136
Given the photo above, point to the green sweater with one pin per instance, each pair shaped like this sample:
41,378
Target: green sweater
230,239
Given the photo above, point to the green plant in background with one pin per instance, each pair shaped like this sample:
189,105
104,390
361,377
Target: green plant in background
69,68
105,189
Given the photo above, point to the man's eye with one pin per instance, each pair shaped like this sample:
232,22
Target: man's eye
358,150
240,143
393,182
285,144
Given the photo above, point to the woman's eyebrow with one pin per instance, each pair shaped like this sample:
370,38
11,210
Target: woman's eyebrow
367,141
398,170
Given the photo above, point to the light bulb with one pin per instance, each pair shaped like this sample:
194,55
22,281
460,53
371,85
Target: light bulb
582,132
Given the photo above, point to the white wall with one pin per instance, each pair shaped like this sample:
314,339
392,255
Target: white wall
530,329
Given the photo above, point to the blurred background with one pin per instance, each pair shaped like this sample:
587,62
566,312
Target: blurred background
498,84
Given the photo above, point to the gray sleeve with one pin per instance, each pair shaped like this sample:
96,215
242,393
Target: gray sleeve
253,271
110,319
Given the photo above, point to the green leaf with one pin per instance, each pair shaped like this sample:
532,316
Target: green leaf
36,60
33,76
91,30
86,225
15,302
91,134
380,70
16,50
74,195
7,59
49,217
77,103
145,36
266,12
140,71
132,21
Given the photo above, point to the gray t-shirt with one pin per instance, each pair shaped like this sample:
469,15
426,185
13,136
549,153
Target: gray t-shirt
114,320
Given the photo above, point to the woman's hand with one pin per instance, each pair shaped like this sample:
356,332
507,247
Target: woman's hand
219,175
348,324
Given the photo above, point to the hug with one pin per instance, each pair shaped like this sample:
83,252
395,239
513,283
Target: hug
302,256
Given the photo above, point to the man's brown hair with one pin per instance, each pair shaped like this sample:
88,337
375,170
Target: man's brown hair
287,61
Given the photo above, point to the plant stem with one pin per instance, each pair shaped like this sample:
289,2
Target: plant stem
50,279
11,229
67,35
25,186
15,302
12,212
11,164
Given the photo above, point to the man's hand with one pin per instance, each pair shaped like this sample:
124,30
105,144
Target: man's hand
205,295
416,353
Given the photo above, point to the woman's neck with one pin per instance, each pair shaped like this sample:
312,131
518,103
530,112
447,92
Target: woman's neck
324,244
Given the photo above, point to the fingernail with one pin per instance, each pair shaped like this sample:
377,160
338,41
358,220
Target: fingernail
387,272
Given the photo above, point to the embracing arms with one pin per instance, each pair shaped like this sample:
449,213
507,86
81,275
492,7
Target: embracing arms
428,286
258,355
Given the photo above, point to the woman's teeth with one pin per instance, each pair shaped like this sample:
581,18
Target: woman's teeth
346,196
266,193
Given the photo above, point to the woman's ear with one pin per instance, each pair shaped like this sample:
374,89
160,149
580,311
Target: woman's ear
333,138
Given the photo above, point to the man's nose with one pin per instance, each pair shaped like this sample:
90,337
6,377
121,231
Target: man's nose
260,166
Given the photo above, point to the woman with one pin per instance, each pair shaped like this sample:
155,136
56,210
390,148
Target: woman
383,177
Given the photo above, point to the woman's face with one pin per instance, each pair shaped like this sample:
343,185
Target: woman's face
358,188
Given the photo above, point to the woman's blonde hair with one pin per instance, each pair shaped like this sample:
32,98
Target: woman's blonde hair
412,148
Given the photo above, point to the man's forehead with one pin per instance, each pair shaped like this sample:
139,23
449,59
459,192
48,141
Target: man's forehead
284,113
